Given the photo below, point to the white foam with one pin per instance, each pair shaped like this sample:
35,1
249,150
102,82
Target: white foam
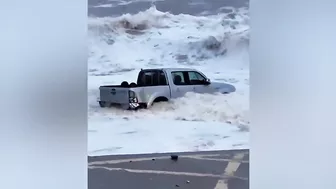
122,2
104,6
160,39
121,136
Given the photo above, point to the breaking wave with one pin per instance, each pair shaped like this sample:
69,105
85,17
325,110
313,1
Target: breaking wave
193,107
216,44
172,38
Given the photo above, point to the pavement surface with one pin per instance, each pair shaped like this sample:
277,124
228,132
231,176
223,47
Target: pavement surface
193,170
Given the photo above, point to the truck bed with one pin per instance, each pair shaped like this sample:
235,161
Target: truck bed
125,85
116,86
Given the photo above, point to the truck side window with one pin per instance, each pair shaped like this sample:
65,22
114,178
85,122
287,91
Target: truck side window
178,78
196,78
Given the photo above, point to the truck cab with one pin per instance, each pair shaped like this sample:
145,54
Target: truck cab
156,85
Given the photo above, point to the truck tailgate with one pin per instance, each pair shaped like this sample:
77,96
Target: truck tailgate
114,95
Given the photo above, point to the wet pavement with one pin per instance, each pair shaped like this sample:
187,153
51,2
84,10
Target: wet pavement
196,170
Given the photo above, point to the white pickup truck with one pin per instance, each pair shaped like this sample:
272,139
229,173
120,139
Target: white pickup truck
157,85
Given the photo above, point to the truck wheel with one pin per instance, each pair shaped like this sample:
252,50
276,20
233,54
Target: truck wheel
102,104
124,84
133,85
159,99
142,106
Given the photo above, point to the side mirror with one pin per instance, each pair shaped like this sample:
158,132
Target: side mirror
207,81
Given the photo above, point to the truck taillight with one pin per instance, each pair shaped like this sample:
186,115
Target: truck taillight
131,94
132,97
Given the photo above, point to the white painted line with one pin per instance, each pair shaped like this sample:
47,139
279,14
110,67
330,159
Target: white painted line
232,166
222,160
229,171
163,172
221,184
200,157
147,158
158,172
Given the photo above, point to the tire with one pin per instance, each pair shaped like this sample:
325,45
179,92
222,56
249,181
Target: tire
102,104
159,100
142,106
124,84
133,85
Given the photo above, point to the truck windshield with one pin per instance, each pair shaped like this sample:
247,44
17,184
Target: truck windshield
151,78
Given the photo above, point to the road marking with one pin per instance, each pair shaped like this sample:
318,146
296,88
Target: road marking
221,184
166,172
220,160
199,157
229,171
116,161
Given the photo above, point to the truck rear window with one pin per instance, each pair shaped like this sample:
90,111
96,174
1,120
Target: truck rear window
152,78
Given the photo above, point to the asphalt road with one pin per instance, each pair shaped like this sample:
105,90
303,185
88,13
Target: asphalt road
196,170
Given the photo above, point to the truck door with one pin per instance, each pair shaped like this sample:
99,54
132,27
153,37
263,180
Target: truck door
180,85
197,82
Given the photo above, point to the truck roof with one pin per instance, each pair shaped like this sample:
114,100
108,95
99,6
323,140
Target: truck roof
172,69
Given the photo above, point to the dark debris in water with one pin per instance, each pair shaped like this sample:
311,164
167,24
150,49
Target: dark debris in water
243,128
236,145
93,70
110,41
192,37
185,119
134,29
152,63
231,15
211,43
208,48
181,58
128,25
129,132
134,32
